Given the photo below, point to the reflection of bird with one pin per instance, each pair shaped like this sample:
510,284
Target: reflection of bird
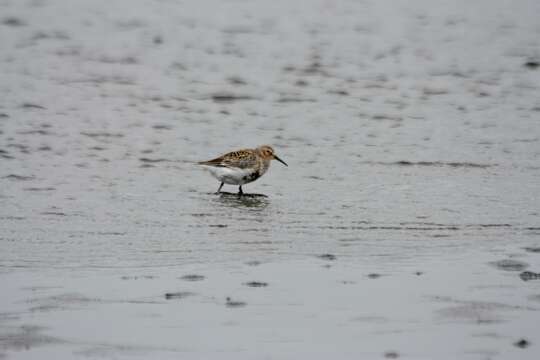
242,166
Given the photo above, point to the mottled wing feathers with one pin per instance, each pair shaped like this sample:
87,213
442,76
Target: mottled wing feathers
213,162
238,159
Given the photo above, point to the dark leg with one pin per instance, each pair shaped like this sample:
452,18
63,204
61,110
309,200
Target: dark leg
220,186
240,192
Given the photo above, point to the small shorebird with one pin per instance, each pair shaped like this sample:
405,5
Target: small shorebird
242,166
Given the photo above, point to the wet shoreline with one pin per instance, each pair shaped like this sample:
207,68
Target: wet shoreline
406,225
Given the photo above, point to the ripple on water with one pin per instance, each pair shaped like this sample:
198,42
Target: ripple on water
153,160
101,134
230,97
251,201
509,265
178,295
329,257
480,312
16,177
193,277
47,188
26,337
28,105
230,303
55,213
451,164
12,21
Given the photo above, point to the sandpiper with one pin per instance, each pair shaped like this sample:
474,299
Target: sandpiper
242,166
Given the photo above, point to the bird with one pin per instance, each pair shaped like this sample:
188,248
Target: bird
241,166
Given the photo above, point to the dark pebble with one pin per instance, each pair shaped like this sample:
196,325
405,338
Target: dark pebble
374,276
532,64
391,355
256,284
529,275
532,249
522,344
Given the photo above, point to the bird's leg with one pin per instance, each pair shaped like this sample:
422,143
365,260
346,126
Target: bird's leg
220,186
240,192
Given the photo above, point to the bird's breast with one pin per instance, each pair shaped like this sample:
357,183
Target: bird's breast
252,176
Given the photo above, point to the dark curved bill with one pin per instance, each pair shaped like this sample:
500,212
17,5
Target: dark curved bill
281,161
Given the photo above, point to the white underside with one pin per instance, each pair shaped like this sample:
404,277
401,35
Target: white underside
230,176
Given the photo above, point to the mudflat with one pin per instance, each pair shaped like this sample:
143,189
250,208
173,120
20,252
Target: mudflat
406,225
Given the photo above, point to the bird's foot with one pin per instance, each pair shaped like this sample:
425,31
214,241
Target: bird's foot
240,195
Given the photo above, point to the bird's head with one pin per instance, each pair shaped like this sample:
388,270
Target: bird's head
267,153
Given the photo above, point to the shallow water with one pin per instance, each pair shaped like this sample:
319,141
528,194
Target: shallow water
403,227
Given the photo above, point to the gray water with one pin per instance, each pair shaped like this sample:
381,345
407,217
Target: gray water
406,225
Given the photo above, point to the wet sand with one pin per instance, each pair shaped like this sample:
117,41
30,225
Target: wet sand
406,225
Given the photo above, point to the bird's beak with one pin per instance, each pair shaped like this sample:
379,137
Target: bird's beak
281,161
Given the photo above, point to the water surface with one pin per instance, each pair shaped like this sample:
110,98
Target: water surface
400,229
